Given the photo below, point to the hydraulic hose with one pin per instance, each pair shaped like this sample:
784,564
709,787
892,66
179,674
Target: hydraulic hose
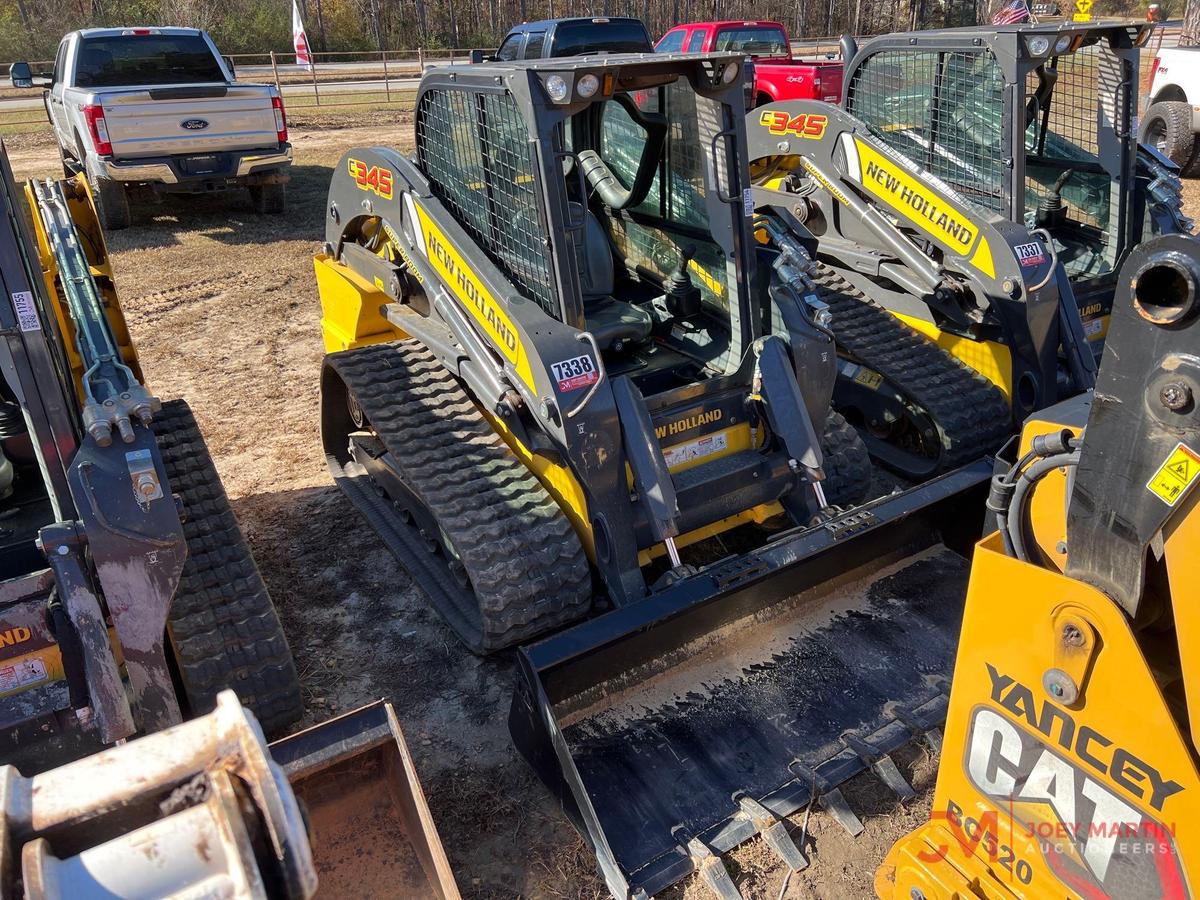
1011,491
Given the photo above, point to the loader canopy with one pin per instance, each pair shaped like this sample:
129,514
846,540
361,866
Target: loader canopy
956,101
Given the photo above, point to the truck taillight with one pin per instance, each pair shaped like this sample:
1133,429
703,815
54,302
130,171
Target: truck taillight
93,114
1153,71
280,119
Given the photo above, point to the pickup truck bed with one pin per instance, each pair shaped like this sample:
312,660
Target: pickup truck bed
157,110
777,74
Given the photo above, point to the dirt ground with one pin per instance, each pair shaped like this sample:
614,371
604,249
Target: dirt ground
224,309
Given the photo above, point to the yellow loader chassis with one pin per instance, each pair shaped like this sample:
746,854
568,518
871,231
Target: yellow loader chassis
1093,799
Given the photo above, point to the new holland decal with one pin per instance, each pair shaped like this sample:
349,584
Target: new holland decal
905,193
469,290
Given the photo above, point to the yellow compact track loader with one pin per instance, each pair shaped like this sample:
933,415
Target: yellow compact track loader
1069,766
984,186
128,601
568,387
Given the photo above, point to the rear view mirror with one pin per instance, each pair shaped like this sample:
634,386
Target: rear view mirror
476,57
20,75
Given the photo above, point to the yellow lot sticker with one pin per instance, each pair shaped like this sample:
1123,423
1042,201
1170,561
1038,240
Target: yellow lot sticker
1175,475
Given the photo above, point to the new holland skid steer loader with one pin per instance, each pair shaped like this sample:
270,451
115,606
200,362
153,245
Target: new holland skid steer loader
983,185
1069,764
128,600
563,378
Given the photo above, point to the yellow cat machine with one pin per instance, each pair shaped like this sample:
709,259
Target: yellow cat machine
983,185
128,601
1069,763
569,388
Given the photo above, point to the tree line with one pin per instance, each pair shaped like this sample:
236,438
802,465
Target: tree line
31,29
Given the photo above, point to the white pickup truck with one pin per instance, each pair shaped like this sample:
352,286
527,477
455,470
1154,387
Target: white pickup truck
159,109
1171,123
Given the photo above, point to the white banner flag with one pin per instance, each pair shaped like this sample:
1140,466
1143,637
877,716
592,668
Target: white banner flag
299,38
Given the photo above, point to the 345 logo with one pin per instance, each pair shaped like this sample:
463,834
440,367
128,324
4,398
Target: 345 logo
805,125
376,179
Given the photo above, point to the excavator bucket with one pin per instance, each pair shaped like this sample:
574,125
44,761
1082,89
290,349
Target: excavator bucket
677,727
371,830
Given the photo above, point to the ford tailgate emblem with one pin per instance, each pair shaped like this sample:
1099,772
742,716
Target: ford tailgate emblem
194,124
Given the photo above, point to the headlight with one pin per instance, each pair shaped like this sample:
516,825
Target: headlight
557,88
1039,45
587,86
1062,44
729,74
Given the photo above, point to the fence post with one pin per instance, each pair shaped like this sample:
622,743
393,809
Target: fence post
421,59
275,69
312,67
387,90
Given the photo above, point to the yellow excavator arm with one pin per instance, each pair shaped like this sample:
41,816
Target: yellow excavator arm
1069,765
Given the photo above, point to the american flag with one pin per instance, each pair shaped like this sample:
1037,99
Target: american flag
1011,13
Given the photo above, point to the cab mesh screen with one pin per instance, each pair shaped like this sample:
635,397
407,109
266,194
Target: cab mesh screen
942,110
474,149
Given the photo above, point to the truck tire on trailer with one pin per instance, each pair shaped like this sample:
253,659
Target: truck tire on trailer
111,203
1167,126
223,629
268,199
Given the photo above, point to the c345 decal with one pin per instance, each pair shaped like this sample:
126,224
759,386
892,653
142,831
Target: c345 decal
375,179
805,125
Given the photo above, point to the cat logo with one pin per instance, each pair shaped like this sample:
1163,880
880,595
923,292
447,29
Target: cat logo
13,636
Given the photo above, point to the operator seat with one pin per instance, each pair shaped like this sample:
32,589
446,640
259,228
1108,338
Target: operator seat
608,319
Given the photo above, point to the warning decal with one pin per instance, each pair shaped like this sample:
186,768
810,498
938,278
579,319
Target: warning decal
28,671
1175,475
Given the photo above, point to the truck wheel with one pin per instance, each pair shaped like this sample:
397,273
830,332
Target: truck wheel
268,199
222,629
112,204
1167,126
68,166
1191,168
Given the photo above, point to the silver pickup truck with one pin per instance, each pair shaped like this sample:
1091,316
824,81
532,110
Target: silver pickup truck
159,109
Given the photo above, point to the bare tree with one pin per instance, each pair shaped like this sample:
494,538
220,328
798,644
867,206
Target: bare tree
1189,35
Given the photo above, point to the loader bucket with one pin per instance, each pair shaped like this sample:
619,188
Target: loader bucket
371,831
677,727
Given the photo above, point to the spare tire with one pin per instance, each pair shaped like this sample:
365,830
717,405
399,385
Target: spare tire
1167,126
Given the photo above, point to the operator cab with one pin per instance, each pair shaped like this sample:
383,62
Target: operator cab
946,100
658,237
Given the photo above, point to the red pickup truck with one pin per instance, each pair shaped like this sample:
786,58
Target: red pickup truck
777,74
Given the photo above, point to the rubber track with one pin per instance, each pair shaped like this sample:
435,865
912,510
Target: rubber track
525,562
846,462
971,414
222,626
